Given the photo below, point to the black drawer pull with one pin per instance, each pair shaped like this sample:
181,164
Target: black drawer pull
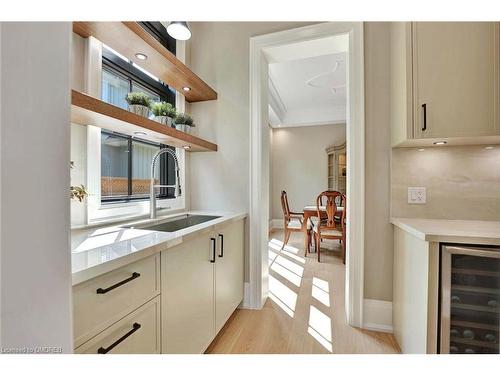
424,107
135,275
221,254
213,249
103,350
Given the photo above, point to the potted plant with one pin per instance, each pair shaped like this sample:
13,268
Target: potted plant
164,112
183,122
77,192
138,103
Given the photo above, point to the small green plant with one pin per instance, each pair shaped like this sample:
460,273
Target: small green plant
138,98
163,109
183,119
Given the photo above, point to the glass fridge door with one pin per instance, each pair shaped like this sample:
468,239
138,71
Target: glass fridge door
470,300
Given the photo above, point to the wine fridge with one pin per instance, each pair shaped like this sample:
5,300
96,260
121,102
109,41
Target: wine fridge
470,300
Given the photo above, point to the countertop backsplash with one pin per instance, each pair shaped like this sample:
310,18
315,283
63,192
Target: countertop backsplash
461,182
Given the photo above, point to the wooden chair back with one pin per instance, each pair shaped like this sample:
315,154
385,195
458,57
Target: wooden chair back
284,206
330,203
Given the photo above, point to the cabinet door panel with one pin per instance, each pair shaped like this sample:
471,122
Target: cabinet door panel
187,277
229,272
455,68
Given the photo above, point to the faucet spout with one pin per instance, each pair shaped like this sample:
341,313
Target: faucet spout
153,186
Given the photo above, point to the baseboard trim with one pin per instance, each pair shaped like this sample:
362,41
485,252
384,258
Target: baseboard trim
245,304
275,224
377,315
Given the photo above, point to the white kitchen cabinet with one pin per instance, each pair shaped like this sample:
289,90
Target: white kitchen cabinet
202,285
228,272
136,333
445,83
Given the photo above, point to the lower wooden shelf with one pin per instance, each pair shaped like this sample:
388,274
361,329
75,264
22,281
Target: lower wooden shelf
87,110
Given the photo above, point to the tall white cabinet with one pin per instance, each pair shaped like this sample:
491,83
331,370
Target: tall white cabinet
445,80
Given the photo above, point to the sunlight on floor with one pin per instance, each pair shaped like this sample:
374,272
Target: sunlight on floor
286,273
282,295
279,244
320,291
320,327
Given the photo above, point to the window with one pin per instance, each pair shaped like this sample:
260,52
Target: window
126,161
125,169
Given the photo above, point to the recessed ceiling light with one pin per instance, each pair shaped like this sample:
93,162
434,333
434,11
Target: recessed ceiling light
489,148
440,143
186,147
421,149
141,56
140,133
186,88
179,30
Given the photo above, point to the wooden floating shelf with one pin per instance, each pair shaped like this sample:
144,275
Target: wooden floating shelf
87,110
129,38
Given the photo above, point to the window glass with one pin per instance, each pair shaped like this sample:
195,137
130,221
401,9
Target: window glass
138,88
114,165
114,89
142,154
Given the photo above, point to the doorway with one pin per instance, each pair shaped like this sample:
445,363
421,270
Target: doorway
260,48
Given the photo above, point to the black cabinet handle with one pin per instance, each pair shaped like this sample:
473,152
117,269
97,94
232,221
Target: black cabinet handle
135,275
424,108
103,350
221,254
213,250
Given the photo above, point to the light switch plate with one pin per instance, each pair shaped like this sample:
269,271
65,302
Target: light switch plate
417,195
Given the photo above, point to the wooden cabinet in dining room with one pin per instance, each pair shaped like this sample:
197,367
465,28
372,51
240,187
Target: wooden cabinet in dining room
445,81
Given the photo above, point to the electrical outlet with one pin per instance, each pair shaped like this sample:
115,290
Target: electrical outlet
417,195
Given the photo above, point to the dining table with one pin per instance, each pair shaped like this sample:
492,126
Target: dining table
312,211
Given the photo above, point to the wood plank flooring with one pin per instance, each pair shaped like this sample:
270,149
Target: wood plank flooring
305,312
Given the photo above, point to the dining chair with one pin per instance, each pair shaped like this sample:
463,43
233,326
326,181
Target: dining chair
293,221
331,228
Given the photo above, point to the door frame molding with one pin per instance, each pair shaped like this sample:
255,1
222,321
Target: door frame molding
259,161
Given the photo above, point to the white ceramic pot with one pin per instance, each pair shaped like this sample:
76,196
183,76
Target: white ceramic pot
183,128
164,120
139,109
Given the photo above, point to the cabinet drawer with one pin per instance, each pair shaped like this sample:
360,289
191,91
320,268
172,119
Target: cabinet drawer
100,302
137,333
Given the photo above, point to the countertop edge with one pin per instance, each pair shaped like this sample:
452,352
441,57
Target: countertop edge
86,274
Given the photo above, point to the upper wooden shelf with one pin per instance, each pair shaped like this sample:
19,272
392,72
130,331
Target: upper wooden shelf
87,110
129,38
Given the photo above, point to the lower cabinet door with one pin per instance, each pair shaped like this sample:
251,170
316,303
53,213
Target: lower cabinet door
187,277
229,271
136,333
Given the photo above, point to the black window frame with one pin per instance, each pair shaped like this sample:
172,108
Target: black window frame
126,70
166,165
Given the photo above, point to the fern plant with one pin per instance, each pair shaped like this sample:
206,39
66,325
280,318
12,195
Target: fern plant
163,109
183,119
138,98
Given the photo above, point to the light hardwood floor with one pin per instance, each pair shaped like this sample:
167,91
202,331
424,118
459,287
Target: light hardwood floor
305,312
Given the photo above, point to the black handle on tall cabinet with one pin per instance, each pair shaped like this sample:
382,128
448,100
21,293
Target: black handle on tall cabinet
221,254
424,109
213,249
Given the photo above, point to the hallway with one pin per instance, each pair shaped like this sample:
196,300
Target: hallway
304,312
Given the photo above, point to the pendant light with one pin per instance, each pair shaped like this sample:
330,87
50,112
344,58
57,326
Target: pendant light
179,30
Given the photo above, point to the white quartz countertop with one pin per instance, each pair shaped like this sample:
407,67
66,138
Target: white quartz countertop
453,231
97,250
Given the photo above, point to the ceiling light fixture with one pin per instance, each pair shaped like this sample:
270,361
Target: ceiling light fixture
179,30
186,147
186,88
440,143
421,149
140,133
141,56
489,148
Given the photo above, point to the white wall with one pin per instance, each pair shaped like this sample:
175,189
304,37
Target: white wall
35,178
299,164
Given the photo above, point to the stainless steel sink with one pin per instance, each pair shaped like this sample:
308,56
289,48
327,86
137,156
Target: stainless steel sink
176,223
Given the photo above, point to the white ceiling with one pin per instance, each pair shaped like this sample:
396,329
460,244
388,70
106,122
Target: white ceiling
307,83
